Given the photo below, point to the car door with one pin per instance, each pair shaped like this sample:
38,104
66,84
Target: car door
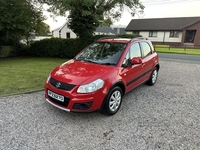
147,59
131,74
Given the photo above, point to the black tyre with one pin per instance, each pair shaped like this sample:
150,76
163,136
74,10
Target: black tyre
113,101
153,78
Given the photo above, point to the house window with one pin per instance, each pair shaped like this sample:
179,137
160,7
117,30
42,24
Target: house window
136,32
152,33
174,34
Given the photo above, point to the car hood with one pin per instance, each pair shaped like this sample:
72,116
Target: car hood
79,72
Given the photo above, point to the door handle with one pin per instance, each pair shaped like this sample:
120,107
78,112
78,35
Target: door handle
143,64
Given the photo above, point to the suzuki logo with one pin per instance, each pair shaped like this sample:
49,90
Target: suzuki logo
58,84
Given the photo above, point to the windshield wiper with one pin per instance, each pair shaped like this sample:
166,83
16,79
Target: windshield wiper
79,58
112,64
86,60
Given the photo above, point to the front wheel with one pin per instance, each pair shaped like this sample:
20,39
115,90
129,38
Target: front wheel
113,101
153,78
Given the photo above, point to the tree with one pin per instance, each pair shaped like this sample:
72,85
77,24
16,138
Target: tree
43,29
81,19
106,22
86,15
19,18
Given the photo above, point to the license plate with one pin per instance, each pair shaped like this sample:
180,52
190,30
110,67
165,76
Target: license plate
56,96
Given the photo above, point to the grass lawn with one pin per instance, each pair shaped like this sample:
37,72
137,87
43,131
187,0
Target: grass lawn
165,49
19,75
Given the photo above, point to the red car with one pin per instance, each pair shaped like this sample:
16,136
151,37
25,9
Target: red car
99,76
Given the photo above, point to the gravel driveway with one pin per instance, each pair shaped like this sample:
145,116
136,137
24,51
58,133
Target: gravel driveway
165,116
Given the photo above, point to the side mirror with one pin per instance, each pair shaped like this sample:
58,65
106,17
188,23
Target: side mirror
136,60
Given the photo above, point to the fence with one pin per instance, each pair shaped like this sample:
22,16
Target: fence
5,51
185,47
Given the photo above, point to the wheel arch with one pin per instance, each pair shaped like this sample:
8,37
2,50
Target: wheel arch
119,84
157,66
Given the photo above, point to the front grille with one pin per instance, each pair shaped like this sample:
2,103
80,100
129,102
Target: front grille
65,103
61,85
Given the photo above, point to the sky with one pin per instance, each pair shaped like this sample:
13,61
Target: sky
153,9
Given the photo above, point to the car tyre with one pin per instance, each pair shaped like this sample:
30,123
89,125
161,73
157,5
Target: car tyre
113,101
153,78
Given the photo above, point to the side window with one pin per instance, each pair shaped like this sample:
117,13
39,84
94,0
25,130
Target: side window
146,49
135,50
126,60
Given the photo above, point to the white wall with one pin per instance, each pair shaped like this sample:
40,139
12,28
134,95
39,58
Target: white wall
66,30
55,33
173,39
38,38
102,33
161,36
129,32
63,32
35,38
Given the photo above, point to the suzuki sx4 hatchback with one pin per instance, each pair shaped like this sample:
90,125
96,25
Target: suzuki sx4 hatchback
99,76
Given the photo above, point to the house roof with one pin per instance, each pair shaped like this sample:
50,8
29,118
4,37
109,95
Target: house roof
105,29
61,27
120,30
163,24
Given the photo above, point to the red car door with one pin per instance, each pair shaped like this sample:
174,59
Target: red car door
133,74
148,58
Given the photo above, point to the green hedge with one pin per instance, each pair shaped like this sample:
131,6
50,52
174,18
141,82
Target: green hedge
57,47
63,48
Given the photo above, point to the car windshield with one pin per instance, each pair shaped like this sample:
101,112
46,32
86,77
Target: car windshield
102,53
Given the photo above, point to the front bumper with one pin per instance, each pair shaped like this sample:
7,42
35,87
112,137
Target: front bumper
57,105
75,102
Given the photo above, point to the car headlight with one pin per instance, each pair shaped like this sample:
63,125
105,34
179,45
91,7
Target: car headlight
91,87
49,76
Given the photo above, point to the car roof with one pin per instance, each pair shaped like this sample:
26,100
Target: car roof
115,40
120,40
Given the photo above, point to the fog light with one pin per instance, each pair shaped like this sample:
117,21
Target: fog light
82,106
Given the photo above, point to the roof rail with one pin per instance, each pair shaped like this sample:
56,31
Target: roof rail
138,38
111,37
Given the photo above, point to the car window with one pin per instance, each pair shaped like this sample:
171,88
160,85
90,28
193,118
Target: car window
126,60
102,53
135,50
146,49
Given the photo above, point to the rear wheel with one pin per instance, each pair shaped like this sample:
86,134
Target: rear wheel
113,101
153,78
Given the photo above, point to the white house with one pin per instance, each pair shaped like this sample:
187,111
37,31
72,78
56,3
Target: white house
174,31
63,32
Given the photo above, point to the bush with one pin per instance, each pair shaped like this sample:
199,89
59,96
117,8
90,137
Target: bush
64,48
57,47
21,50
15,49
